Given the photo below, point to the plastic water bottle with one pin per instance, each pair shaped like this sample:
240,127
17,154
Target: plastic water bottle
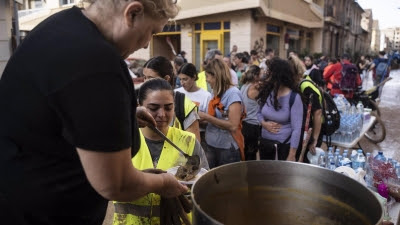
368,171
336,157
380,156
367,156
361,158
389,161
353,155
322,160
339,160
331,163
346,161
360,108
327,158
330,150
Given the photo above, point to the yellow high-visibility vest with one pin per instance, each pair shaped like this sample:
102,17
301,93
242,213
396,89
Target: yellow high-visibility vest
201,81
146,210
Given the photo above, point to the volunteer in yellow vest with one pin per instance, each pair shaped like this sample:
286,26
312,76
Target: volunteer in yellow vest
186,117
210,55
308,87
157,97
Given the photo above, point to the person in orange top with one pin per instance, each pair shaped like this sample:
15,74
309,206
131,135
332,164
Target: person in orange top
333,76
331,71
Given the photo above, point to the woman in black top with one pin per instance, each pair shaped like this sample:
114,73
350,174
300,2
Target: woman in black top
68,131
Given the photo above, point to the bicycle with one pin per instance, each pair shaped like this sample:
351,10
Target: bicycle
377,132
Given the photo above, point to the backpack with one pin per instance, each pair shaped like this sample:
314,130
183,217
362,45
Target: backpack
330,113
180,107
381,69
349,77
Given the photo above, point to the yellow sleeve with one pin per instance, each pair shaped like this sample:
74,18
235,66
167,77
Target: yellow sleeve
201,81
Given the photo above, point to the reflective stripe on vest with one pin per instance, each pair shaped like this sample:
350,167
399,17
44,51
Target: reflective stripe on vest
138,210
146,209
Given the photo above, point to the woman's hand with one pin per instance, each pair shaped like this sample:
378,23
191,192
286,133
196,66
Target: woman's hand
144,118
312,147
171,187
203,116
292,155
271,126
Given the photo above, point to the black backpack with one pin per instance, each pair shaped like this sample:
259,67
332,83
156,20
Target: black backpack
180,107
330,113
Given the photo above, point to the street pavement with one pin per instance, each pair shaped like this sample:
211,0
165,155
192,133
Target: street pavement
390,110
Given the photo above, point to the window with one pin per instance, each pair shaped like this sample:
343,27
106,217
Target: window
38,4
273,38
294,40
67,2
172,28
308,40
227,42
212,26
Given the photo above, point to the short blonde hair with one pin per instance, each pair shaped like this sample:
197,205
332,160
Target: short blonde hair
160,9
218,69
296,65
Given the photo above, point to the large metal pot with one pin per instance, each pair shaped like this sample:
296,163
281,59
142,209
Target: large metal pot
278,192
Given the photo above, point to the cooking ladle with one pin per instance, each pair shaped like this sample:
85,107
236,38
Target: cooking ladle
193,160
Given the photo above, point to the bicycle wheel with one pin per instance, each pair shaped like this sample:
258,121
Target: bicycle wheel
375,107
377,132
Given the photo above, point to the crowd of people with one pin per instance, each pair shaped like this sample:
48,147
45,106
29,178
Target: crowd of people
264,98
79,136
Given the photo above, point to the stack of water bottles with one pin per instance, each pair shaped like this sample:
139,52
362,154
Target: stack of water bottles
332,160
351,120
356,160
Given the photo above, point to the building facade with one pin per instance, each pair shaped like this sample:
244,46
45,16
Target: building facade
8,30
342,29
392,39
366,34
283,25
375,37
329,27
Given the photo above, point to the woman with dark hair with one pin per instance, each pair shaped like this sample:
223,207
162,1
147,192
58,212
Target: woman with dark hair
251,126
224,138
157,96
310,91
188,76
280,113
240,61
186,117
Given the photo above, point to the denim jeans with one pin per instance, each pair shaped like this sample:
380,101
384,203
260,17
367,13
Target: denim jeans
221,156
